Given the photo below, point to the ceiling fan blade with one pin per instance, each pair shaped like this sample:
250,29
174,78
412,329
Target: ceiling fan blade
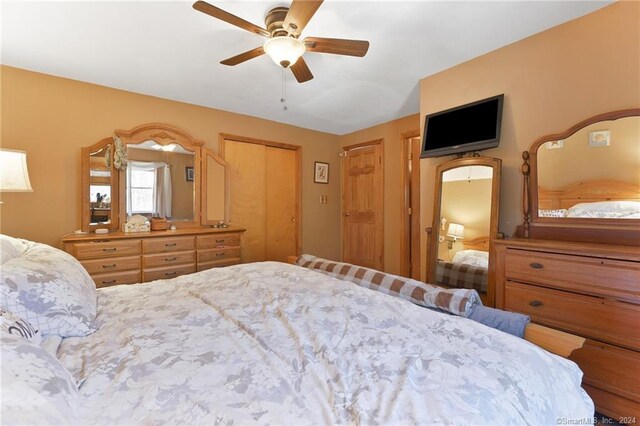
301,71
337,46
204,7
299,15
238,59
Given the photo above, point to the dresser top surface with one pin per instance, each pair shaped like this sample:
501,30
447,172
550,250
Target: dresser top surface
78,238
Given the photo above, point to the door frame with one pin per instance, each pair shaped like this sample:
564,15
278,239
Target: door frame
411,200
223,137
380,226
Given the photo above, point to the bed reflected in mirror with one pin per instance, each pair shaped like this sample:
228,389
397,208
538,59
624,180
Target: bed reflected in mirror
592,174
465,221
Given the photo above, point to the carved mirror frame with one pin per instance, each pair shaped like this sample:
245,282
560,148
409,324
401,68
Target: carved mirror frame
609,231
85,185
165,134
432,237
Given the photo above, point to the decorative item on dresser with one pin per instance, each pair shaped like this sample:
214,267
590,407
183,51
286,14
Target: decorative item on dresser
127,258
578,267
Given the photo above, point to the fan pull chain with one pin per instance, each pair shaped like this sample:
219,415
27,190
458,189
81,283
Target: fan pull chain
283,99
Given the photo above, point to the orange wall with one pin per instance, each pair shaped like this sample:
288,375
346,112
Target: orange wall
391,133
551,81
52,118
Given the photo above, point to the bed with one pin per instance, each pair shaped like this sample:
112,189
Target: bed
468,268
591,199
262,343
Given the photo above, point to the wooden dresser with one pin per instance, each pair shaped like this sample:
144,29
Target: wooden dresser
592,290
126,258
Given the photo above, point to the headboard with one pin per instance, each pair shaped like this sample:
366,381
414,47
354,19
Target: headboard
479,243
587,192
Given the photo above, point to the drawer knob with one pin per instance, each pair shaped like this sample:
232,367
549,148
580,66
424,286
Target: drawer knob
113,265
109,282
535,303
220,254
170,274
536,265
220,240
110,249
170,259
170,245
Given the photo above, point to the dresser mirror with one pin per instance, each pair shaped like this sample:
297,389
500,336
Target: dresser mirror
584,184
465,220
99,187
163,175
159,181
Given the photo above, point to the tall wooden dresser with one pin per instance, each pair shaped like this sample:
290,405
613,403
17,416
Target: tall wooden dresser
126,258
592,290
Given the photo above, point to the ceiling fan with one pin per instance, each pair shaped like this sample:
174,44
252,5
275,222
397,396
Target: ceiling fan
284,26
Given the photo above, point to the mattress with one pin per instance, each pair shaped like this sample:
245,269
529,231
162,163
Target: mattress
271,343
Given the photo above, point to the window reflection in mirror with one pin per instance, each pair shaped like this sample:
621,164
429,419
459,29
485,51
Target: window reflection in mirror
594,173
160,181
100,187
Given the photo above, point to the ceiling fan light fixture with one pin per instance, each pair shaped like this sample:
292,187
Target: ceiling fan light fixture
284,51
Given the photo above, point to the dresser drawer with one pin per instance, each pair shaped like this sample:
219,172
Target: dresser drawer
218,254
99,249
116,278
609,368
582,274
168,272
219,240
170,258
217,264
592,317
162,245
111,264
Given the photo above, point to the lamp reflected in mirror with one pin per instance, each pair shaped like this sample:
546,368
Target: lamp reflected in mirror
455,232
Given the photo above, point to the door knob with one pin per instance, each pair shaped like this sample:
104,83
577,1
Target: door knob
347,214
293,219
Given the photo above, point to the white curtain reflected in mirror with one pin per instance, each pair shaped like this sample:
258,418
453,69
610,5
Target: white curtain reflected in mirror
159,182
592,174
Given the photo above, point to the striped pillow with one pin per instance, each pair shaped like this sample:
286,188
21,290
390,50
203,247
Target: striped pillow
455,301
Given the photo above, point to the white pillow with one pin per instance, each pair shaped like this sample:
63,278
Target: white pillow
11,323
10,248
472,258
50,289
552,212
36,388
606,209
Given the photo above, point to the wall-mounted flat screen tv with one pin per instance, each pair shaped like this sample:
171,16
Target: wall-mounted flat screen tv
470,127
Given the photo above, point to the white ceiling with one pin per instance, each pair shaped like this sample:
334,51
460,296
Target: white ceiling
169,50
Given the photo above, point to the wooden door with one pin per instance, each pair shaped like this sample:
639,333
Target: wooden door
264,186
280,183
363,206
246,170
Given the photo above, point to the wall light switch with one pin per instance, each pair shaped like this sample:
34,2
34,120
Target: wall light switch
323,199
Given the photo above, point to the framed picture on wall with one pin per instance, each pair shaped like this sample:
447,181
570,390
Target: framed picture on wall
189,174
321,174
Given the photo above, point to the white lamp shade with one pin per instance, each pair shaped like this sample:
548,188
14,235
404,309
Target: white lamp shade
14,176
284,51
456,231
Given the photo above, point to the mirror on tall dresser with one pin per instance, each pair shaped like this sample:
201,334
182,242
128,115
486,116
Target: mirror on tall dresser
162,178
465,220
99,186
584,183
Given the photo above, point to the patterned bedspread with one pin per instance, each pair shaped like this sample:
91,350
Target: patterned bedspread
460,275
275,343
